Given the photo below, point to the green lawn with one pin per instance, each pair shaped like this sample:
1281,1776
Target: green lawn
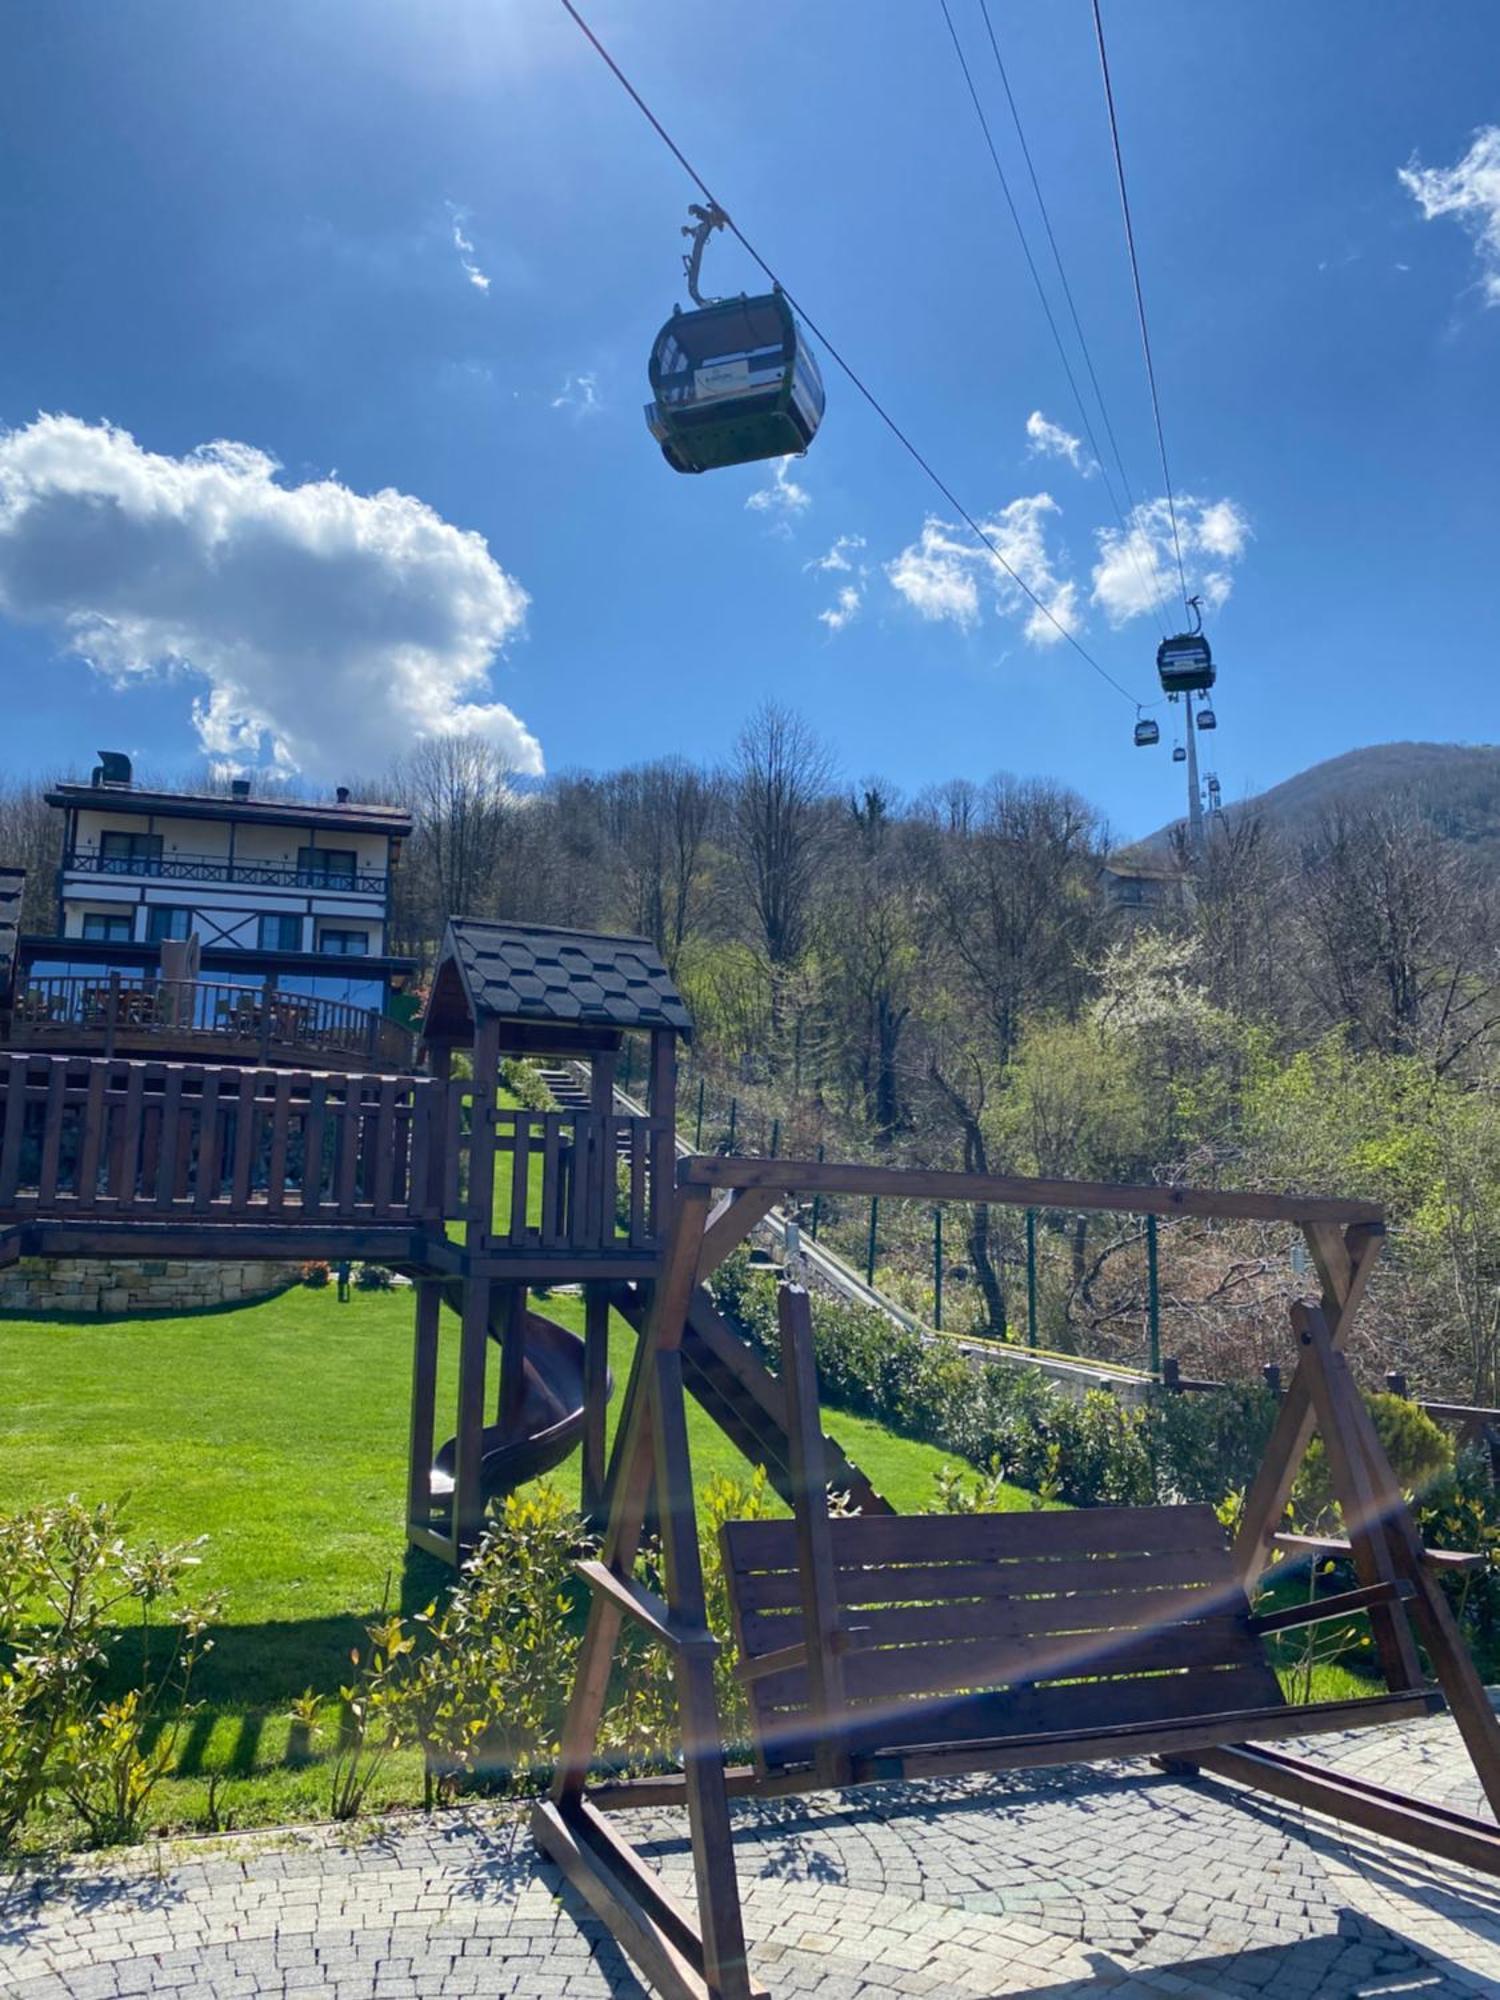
278,1431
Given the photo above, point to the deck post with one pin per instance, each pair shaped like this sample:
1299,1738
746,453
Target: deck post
661,1104
429,1307
512,1394
468,1495
595,1396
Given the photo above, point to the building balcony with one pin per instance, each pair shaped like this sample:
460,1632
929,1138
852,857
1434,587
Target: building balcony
141,1015
216,868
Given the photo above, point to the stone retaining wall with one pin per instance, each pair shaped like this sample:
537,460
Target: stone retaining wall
100,1285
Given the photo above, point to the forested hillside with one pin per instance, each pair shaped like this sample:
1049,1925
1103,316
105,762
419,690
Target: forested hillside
948,979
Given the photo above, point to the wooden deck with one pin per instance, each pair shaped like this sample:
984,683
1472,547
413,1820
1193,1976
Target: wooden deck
135,1157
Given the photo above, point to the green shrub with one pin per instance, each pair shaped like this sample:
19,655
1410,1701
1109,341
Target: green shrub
1419,1450
373,1278
315,1274
69,1582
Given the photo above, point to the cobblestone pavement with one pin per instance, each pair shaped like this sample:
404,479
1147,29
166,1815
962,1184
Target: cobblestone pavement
1064,1883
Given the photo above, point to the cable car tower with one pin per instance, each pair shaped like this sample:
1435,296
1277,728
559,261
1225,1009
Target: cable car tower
1185,667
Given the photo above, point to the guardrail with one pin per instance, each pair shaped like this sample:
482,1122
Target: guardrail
100,1138
135,1012
217,868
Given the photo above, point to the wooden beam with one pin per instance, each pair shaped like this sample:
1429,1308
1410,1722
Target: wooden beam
1345,1261
427,1316
636,1927
645,1608
1453,1836
730,1223
468,1496
821,1628
705,1170
1363,1508
595,1397
1336,1545
1343,1604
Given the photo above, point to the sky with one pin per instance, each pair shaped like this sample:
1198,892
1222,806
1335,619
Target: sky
323,342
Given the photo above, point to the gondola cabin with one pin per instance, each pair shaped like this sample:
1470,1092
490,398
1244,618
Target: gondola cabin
1179,754
1184,664
1206,718
731,382
1147,732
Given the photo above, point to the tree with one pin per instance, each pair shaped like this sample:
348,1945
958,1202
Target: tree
458,788
779,822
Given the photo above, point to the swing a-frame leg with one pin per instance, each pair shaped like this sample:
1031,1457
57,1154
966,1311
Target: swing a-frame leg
684,1959
1388,1555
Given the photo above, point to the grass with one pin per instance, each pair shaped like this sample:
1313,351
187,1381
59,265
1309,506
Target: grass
278,1432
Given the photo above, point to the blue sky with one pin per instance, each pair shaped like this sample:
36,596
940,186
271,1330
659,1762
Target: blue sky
249,224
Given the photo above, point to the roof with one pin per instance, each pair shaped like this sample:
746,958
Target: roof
536,972
349,818
12,883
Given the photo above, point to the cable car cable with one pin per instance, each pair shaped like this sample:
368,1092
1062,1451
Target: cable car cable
1153,583
1140,299
869,395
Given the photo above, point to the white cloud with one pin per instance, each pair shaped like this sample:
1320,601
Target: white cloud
844,612
1137,570
941,573
783,497
1049,440
838,557
331,628
458,218
1471,191
580,393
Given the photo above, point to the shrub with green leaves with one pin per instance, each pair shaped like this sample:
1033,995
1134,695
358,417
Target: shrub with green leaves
74,1594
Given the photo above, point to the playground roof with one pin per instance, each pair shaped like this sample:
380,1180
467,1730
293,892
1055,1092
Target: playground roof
535,973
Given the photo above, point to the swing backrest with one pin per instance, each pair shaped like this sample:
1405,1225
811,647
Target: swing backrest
959,1628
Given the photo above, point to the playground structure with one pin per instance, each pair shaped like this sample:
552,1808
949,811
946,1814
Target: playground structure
874,1647
881,1648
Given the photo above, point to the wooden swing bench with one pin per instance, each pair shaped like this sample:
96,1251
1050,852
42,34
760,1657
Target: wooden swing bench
995,1642
881,1647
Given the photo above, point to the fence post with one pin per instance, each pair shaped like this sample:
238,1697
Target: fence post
937,1270
734,1112
1395,1383
870,1249
775,1137
112,1005
1031,1277
698,1128
817,1208
1153,1299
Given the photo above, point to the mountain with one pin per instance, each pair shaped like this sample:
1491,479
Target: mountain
1455,787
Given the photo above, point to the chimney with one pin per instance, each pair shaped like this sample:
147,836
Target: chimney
342,795
239,788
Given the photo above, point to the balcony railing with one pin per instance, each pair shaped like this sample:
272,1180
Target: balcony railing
216,868
131,1012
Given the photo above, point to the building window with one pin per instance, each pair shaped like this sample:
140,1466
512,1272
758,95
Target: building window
163,922
346,944
101,929
129,853
326,867
281,933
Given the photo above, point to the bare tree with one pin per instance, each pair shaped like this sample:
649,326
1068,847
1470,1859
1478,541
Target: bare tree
459,791
779,827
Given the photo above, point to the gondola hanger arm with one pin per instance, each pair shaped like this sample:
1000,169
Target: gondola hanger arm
707,219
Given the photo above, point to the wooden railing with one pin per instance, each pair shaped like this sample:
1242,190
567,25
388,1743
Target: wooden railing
133,1011
218,868
559,1181
100,1138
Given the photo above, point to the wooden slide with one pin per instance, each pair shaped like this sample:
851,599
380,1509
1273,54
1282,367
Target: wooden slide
548,1424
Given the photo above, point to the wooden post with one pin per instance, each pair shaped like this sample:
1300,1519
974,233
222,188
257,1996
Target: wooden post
1468,1702
821,1624
595,1397
1345,1261
483,1136
512,1394
468,1497
429,1306
661,1103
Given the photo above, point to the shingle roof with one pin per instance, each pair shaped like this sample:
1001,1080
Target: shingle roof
12,883
534,972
